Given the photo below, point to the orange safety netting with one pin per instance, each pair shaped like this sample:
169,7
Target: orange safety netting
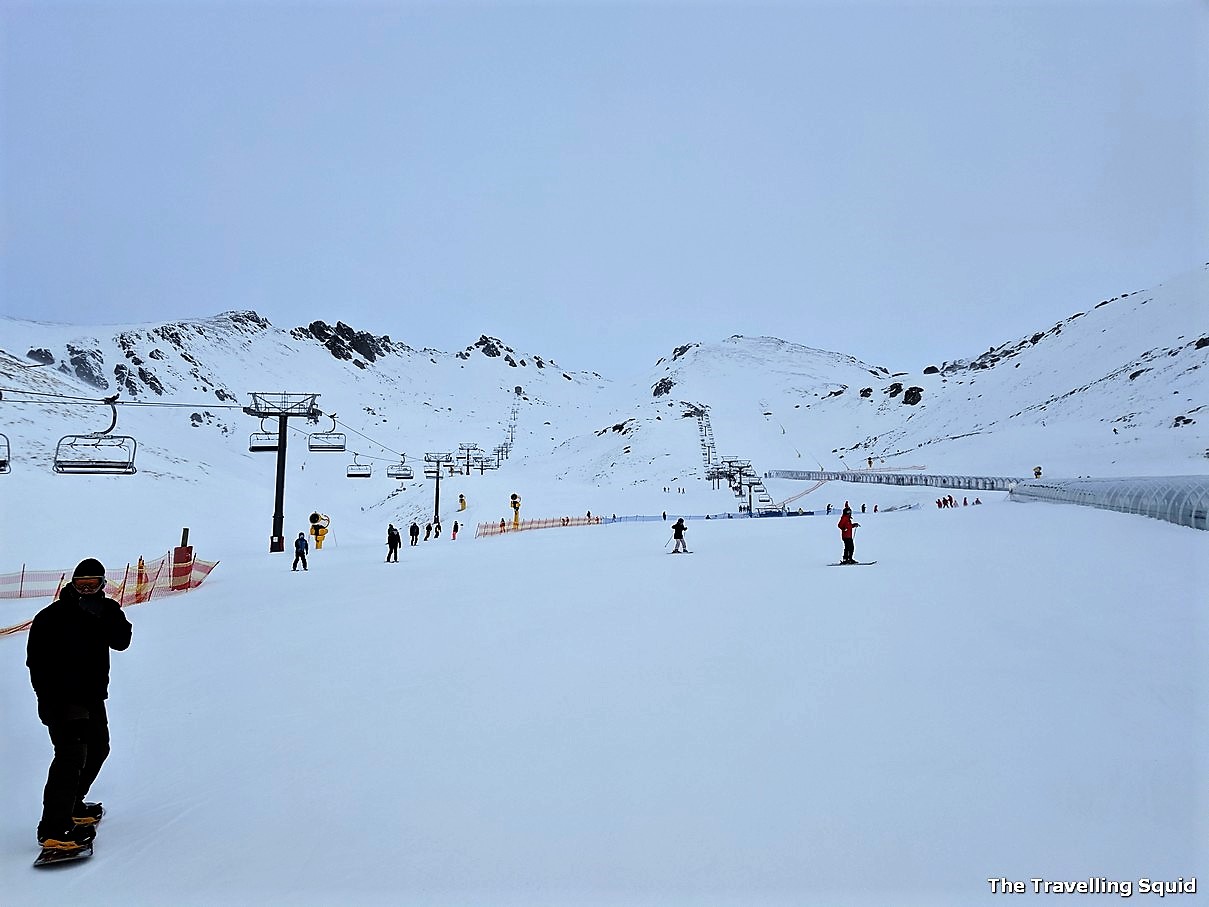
504,528
129,585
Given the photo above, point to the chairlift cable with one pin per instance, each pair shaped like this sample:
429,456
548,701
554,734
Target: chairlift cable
367,437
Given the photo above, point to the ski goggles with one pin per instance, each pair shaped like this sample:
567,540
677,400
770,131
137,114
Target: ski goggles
87,585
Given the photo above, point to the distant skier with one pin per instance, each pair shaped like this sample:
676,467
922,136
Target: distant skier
846,527
300,549
68,659
427,531
393,541
436,529
414,532
454,532
678,530
828,510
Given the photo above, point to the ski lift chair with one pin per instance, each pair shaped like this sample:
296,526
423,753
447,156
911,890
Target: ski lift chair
400,471
4,467
326,441
97,453
359,470
263,441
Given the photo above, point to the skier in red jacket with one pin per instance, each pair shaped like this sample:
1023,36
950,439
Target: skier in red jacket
846,532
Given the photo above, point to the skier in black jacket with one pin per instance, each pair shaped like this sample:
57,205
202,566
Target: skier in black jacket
678,530
68,660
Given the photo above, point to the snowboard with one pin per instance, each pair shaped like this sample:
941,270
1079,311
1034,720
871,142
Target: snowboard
53,857
854,564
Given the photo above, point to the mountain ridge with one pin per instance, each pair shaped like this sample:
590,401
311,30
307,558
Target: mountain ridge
1124,379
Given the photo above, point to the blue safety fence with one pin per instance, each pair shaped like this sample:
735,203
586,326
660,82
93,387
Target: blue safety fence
1183,500
972,483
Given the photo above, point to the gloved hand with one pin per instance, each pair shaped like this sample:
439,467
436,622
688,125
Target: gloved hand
92,604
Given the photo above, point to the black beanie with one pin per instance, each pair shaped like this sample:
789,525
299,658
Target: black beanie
90,566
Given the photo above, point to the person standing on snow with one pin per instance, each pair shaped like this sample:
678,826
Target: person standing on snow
68,660
427,531
454,532
436,529
846,533
414,532
301,547
393,541
678,530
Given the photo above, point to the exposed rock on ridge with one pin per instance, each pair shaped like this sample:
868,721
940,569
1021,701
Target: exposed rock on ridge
348,344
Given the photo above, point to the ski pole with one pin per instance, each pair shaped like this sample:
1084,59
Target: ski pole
669,538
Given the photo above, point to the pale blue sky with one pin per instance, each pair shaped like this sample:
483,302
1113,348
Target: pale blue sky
600,182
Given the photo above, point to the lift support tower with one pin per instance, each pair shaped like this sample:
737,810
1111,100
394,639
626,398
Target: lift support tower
285,407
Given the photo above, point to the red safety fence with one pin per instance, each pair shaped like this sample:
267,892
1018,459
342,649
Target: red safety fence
129,585
503,528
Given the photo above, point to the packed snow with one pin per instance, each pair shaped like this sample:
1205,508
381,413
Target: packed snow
574,716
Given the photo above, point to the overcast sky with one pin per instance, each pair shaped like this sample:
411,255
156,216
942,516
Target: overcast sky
600,182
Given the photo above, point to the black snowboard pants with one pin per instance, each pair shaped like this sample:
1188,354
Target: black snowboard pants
80,735
849,546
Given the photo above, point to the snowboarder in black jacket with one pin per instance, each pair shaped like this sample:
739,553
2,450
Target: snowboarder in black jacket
414,532
301,547
68,661
393,541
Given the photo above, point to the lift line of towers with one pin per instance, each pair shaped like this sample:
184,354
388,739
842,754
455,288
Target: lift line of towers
284,406
105,453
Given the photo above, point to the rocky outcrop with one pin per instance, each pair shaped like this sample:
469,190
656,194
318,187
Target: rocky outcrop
622,428
681,350
87,365
348,344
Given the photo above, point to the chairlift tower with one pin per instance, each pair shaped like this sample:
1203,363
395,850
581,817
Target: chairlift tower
750,482
284,407
467,451
437,459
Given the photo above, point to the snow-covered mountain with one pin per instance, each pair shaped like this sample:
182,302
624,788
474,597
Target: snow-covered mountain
569,717
1109,391
1117,389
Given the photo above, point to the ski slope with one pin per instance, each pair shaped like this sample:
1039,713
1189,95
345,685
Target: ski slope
571,716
